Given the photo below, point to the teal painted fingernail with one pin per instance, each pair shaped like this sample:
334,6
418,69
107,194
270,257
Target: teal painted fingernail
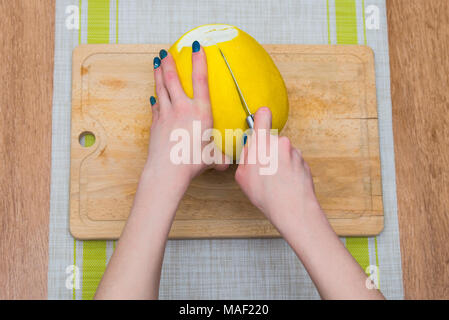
245,137
152,100
162,54
195,46
156,62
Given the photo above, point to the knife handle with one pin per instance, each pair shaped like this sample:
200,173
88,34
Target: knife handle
250,121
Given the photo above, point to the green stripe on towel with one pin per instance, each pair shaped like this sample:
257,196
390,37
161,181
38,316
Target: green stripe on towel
346,21
98,21
358,247
346,29
94,265
94,252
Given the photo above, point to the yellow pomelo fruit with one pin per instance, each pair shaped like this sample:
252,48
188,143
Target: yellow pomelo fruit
257,75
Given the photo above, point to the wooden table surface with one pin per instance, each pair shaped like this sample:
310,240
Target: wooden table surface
419,59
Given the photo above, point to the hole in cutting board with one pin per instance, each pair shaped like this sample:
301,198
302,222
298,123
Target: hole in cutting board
86,139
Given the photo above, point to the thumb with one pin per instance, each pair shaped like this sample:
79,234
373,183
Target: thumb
262,119
199,74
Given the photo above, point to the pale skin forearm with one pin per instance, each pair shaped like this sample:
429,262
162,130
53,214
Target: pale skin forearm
331,267
288,200
135,268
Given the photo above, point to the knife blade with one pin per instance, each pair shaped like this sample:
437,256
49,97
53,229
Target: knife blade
250,116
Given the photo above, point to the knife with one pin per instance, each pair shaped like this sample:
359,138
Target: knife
250,116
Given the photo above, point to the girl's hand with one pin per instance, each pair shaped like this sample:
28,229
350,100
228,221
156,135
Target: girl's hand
288,199
135,267
175,110
287,194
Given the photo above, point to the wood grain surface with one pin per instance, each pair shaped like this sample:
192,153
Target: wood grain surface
418,42
26,73
419,59
332,120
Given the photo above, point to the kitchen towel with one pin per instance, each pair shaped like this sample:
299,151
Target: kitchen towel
226,268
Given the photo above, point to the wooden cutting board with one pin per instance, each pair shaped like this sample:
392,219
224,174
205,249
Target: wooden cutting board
333,120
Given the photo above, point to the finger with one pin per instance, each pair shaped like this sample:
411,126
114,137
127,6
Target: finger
223,165
262,127
154,109
306,166
297,155
199,74
243,157
221,160
309,174
262,119
171,79
161,91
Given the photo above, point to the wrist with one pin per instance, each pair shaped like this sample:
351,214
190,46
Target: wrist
173,180
312,226
300,219
159,193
